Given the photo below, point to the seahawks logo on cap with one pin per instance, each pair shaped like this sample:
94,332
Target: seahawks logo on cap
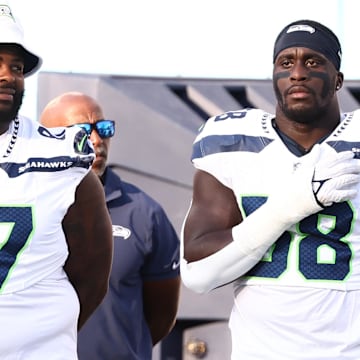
6,11
300,27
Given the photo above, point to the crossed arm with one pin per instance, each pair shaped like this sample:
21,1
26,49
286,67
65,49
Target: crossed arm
88,232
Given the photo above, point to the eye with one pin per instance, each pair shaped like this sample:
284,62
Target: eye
311,62
314,62
286,63
18,68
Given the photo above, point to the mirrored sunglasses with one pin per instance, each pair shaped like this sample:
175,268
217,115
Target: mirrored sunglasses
105,128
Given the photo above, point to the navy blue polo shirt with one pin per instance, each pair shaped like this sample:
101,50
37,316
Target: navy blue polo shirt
146,247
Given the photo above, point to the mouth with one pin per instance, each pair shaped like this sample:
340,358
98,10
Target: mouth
298,92
100,158
7,94
100,155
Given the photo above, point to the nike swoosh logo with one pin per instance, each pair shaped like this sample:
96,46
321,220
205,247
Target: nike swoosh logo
175,265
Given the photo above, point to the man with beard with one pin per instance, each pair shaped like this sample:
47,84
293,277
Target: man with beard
55,231
275,210
141,305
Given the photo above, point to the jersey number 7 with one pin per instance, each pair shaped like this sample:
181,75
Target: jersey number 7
16,227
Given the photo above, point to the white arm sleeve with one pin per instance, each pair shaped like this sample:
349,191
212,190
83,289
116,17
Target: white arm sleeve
252,238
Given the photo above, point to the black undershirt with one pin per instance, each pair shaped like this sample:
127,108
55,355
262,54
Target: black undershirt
292,145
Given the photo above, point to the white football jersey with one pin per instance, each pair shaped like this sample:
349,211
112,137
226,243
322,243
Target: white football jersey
303,293
40,170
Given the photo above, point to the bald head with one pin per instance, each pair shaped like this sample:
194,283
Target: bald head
77,108
71,108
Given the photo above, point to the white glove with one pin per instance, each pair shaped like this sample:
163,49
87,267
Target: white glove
336,178
321,178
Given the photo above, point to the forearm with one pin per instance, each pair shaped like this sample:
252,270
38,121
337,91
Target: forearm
90,298
90,282
160,306
250,242
89,275
159,328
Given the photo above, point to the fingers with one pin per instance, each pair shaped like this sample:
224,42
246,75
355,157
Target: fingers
343,182
338,189
342,163
338,170
344,157
342,195
336,177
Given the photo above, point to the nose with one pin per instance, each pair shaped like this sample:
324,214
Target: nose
95,138
299,71
6,73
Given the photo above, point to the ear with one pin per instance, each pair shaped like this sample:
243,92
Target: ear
340,80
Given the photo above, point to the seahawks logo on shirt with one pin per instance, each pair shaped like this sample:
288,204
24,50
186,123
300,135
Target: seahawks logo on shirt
81,143
121,231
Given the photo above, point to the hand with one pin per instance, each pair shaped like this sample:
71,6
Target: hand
323,177
336,178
